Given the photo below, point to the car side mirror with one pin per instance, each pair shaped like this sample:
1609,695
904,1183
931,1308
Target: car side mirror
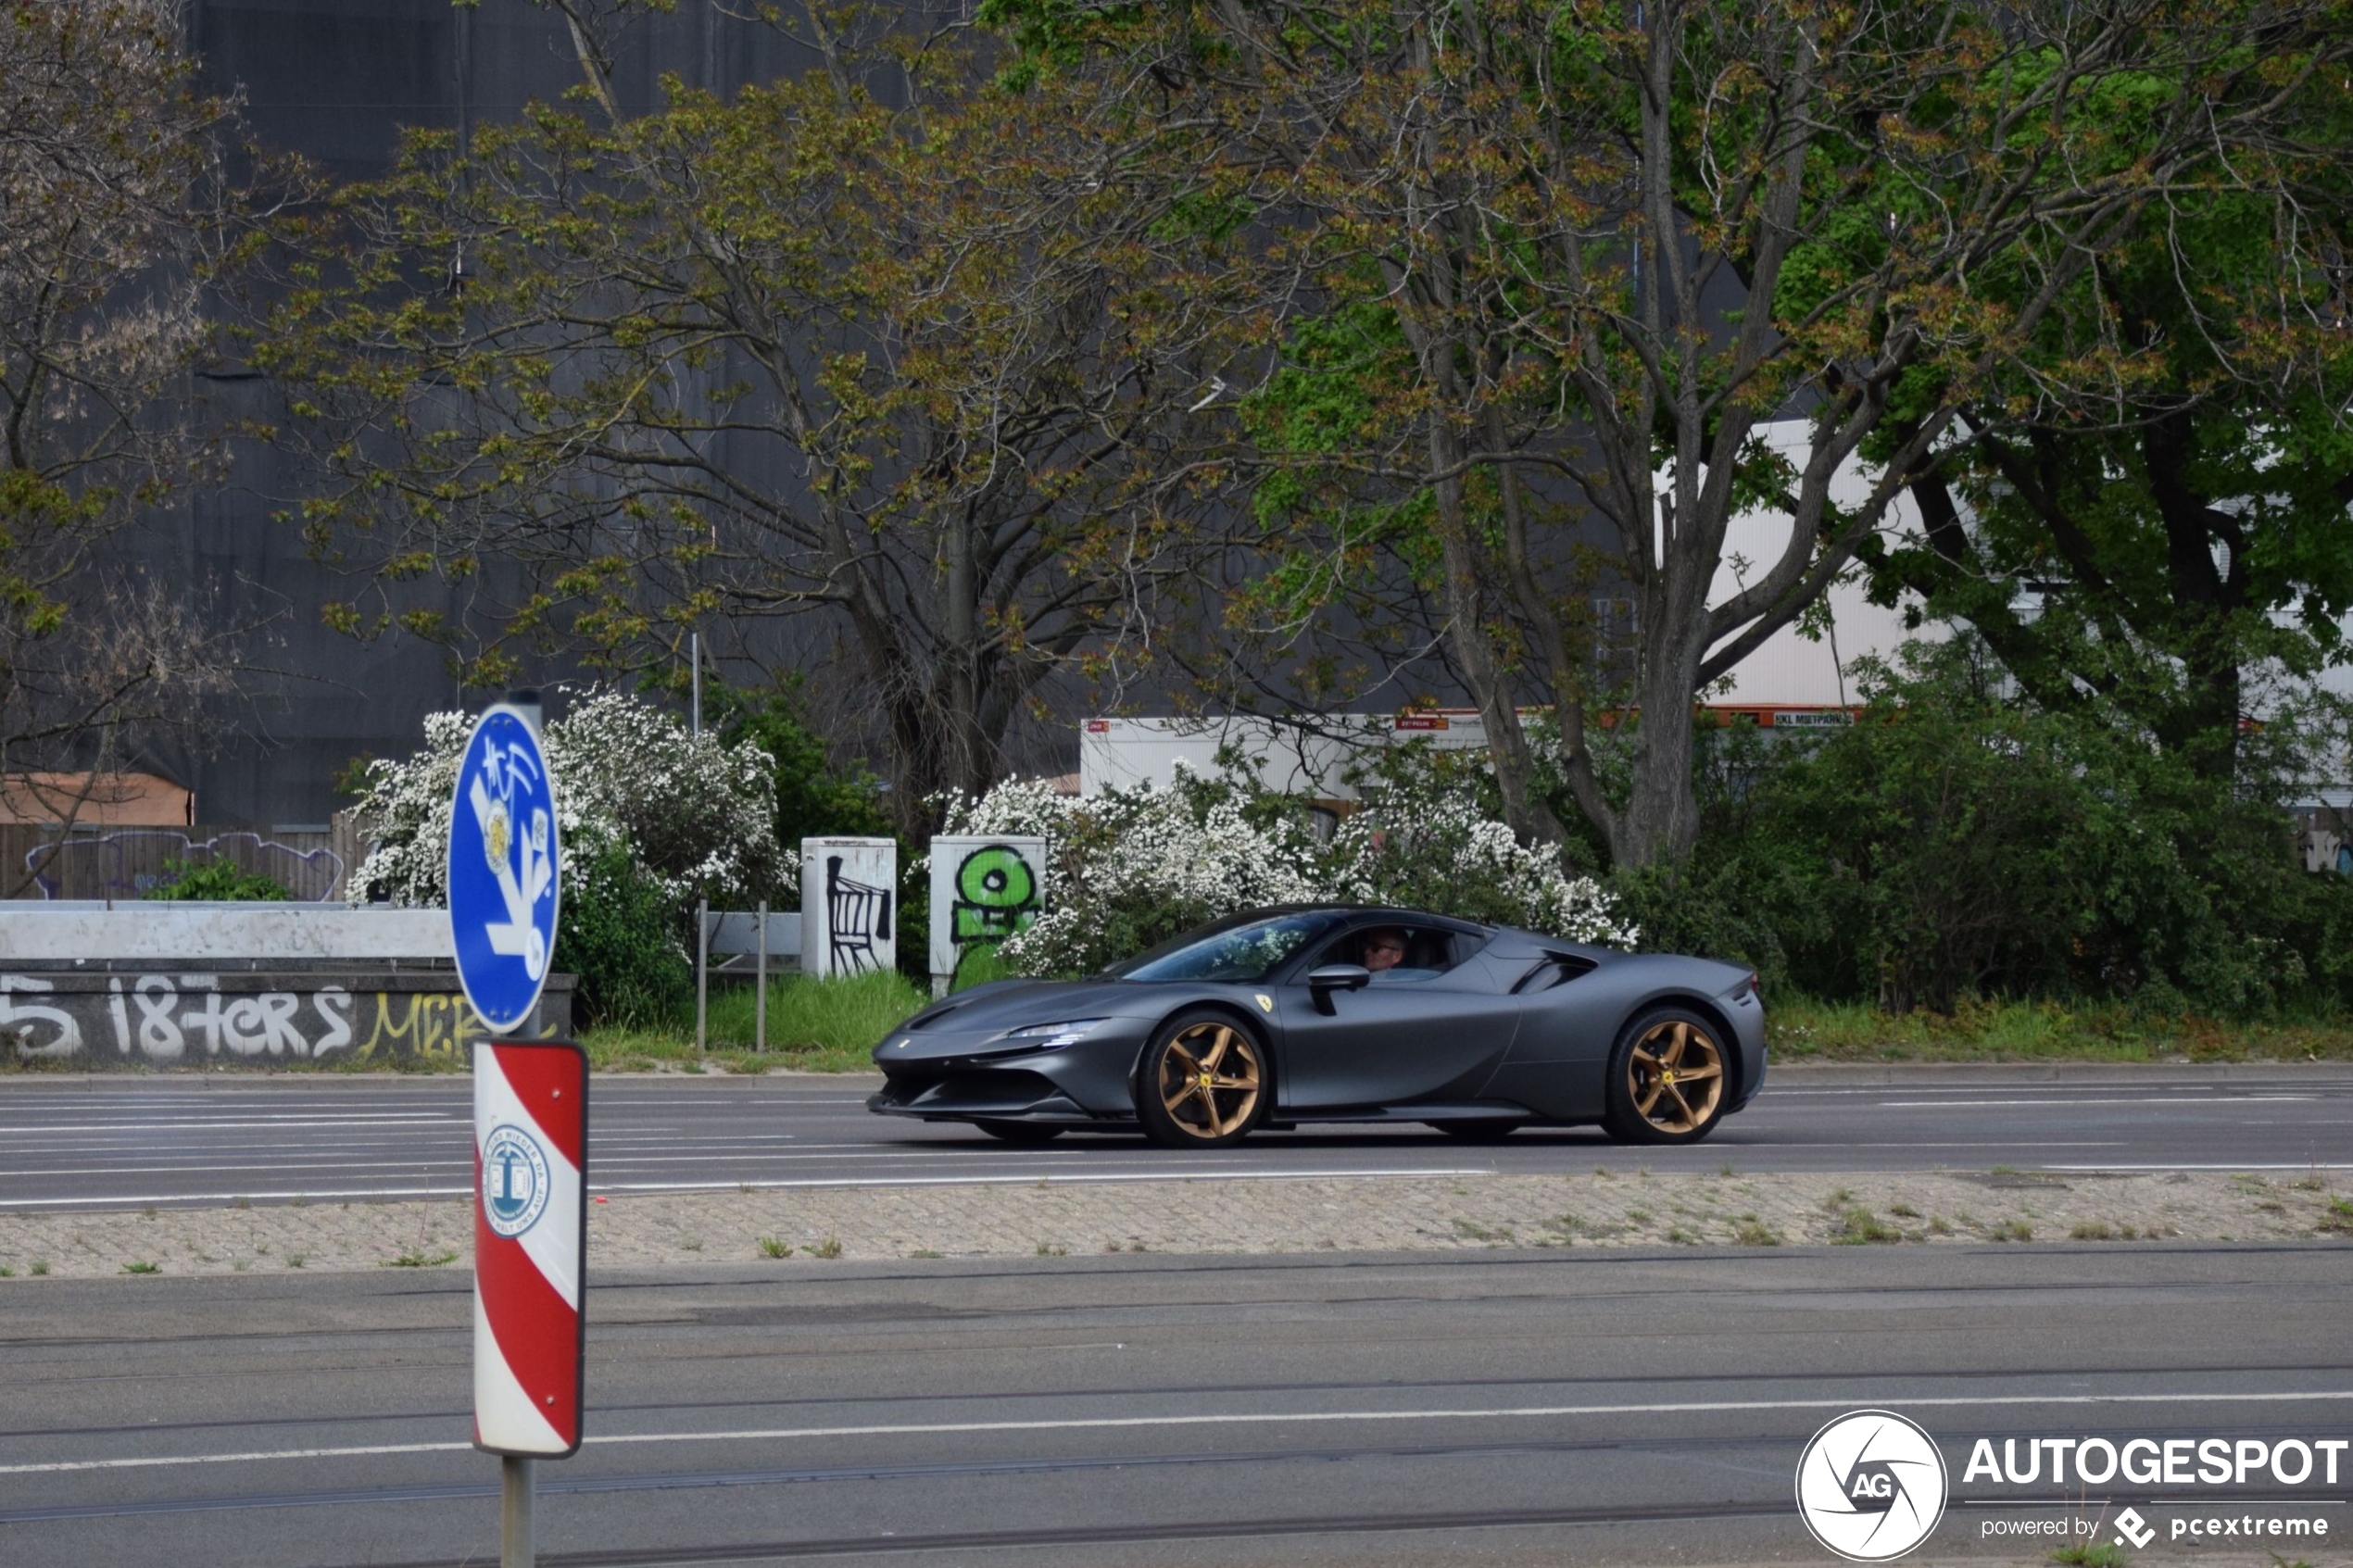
1322,983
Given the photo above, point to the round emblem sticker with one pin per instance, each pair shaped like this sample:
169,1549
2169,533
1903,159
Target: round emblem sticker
1871,1486
514,1181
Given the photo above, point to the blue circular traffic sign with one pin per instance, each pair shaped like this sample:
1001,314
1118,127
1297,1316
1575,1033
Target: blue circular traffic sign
502,869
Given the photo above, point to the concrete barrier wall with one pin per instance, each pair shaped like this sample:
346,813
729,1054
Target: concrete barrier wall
182,1016
203,933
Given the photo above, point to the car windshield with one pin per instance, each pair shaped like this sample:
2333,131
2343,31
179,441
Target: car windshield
1245,952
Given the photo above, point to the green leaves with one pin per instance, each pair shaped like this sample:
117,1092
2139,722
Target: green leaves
1955,846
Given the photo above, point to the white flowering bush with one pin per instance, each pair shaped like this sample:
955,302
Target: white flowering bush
652,817
405,804
1445,857
695,816
1131,868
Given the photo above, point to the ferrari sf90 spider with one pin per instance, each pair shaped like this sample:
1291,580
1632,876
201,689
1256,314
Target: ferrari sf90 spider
1341,1014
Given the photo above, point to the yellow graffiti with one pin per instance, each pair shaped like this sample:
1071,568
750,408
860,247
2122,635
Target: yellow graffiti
433,1024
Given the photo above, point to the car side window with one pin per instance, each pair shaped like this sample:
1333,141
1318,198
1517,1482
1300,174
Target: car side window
1397,955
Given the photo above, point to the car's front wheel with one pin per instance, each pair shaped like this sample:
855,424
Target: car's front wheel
1204,1082
1667,1079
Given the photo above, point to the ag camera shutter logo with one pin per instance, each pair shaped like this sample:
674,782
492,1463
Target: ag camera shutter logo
1871,1486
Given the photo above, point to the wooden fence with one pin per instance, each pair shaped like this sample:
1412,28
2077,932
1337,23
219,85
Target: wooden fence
123,864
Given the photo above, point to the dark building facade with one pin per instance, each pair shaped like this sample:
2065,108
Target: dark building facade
336,81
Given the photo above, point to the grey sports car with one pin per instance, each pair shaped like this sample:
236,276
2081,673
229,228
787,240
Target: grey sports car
1341,1014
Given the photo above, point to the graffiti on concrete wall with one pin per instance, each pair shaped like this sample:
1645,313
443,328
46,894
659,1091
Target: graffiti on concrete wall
172,1018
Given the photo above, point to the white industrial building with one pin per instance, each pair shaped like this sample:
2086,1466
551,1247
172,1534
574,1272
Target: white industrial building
1791,682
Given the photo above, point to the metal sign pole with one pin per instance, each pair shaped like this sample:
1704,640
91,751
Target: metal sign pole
515,1487
759,979
531,1115
703,973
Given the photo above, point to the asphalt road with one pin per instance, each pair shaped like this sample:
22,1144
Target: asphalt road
1495,1409
214,1138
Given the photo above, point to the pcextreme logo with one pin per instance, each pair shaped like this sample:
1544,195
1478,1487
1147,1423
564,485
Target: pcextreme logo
1871,1486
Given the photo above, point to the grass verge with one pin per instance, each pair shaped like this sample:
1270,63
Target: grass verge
1801,1029
813,1025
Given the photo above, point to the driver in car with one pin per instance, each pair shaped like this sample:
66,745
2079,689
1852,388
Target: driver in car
1384,948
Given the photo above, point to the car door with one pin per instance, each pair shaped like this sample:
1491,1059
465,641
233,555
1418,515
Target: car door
1434,1038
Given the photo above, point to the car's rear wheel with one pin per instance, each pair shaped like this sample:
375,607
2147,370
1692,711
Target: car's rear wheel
1487,1129
1668,1080
1020,1131
1204,1082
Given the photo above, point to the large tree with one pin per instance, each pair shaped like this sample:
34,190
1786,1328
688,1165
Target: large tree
2147,544
1573,259
914,366
114,217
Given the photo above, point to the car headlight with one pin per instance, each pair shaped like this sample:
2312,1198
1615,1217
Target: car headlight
1053,1036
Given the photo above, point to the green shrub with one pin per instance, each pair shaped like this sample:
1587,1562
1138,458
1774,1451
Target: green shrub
1955,843
980,963
816,799
217,881
620,935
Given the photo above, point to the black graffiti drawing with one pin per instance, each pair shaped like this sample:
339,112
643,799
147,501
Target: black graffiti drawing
855,915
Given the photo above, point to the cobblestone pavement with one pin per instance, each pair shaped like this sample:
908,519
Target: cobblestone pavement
803,1227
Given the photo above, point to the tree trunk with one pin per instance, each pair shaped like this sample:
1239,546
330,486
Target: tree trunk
1660,822
1531,817
2207,597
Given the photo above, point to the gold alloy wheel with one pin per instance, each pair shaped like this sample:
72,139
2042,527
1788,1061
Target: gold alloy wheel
1675,1075
1209,1079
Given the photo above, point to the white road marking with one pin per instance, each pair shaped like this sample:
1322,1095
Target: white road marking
417,1163
310,1195
405,1118
1274,1418
1772,1092
1915,1143
2241,1165
2076,1103
271,1168
722,1183
457,1138
1033,1177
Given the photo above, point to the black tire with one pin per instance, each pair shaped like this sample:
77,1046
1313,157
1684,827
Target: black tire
1493,1129
1669,1079
1020,1132
1205,1082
